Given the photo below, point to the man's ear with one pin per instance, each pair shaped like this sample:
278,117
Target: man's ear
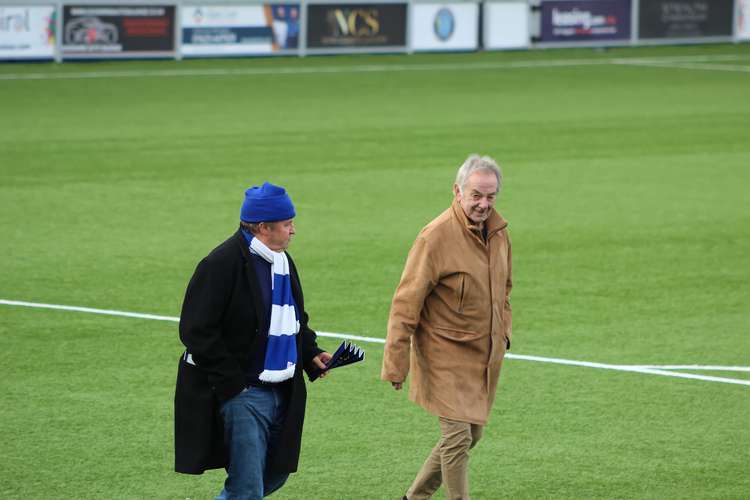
456,190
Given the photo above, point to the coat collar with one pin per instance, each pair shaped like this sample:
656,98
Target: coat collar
250,276
239,238
494,222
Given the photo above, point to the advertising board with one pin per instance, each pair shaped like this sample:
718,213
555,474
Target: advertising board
685,18
27,32
239,29
585,20
444,26
743,20
506,25
343,25
118,30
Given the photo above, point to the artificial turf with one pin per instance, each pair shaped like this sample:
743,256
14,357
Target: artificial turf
626,191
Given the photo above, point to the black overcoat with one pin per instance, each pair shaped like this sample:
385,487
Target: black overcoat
218,325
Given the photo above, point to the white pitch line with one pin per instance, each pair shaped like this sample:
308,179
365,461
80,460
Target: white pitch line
695,66
296,70
367,68
372,340
631,368
678,59
715,368
650,369
703,67
110,312
91,310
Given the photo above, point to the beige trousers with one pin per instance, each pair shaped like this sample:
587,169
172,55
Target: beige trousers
448,462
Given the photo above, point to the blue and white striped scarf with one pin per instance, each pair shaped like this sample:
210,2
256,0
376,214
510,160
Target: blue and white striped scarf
281,349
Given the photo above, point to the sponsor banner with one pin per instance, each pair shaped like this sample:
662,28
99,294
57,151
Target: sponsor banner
356,25
585,20
444,26
685,18
27,32
118,29
506,25
239,30
743,19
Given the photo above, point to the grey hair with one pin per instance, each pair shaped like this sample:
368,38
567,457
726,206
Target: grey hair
476,163
254,227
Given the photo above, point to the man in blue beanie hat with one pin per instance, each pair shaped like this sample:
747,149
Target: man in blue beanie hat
240,398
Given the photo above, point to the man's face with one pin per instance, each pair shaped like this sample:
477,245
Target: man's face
277,235
478,198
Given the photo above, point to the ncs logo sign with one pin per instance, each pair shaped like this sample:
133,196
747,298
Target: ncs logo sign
356,25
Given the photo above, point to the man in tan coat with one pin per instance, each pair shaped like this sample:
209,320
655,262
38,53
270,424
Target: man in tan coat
450,322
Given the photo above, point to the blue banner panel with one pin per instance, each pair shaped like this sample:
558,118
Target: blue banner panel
218,36
585,20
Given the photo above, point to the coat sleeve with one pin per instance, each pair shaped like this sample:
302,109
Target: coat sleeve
308,342
206,300
419,278
308,338
507,314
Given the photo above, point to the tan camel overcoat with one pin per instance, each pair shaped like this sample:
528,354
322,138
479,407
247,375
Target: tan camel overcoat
450,319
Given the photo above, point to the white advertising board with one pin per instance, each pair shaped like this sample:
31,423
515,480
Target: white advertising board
444,26
506,25
743,20
239,29
27,32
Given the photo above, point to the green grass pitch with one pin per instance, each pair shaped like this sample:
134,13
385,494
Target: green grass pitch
626,189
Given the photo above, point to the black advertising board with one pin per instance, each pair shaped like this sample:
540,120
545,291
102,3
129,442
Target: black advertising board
332,26
685,18
118,29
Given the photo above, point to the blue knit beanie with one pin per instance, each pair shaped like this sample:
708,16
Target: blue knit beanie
267,203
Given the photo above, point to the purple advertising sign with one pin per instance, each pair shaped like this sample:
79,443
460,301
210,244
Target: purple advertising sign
585,20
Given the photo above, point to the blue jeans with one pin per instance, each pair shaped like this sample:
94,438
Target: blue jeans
252,425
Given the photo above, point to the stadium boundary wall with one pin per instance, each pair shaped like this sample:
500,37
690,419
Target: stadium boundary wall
133,29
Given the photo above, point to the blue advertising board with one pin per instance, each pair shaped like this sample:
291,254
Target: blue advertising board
585,20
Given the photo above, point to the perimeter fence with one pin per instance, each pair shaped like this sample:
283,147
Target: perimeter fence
100,29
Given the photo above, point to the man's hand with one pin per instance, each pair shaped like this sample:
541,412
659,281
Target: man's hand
397,385
320,361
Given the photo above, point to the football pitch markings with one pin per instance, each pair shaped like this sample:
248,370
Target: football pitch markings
698,65
660,370
696,62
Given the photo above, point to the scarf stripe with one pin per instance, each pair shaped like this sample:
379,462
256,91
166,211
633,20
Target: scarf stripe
282,290
283,320
276,352
281,348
